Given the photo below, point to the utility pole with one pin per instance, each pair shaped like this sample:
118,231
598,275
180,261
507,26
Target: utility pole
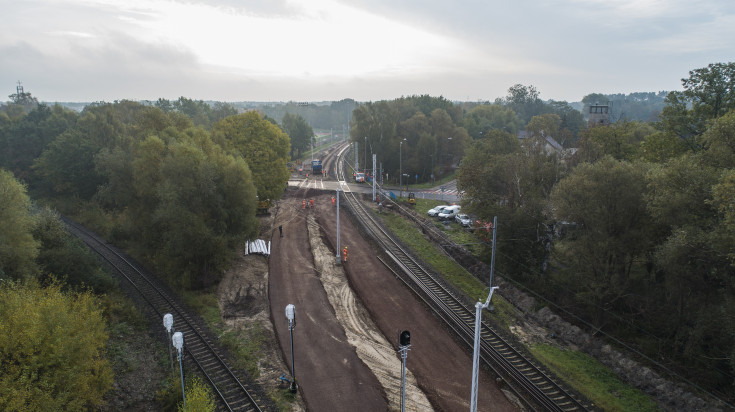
479,306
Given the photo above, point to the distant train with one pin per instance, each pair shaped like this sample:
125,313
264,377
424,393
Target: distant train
316,166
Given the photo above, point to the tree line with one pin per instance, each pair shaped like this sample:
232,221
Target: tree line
630,227
427,136
634,232
175,183
180,191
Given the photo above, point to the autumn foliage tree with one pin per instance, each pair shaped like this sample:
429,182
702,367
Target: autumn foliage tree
18,248
51,349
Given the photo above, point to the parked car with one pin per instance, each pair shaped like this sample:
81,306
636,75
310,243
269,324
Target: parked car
360,177
449,213
463,220
435,211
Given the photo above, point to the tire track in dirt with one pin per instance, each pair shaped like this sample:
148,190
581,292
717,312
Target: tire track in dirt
370,345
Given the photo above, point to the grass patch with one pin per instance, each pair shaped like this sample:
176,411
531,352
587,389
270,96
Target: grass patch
283,398
245,344
452,272
593,379
205,304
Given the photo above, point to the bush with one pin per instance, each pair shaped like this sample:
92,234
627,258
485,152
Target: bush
51,346
198,397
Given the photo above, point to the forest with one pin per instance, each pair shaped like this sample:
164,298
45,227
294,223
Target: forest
175,183
628,227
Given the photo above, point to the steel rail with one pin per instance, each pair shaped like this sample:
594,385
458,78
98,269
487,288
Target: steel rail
230,390
523,377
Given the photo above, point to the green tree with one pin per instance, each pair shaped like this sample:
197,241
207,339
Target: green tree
724,200
65,256
18,248
621,140
658,147
719,141
607,202
501,177
708,93
525,101
544,125
483,118
68,165
572,122
196,205
25,138
51,349
711,89
264,147
300,133
680,192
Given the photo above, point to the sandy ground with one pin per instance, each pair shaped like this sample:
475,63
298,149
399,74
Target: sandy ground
348,317
356,310
371,346
331,375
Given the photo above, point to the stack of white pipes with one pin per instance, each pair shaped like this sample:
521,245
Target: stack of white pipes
258,247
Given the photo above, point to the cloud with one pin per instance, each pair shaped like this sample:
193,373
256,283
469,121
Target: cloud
291,49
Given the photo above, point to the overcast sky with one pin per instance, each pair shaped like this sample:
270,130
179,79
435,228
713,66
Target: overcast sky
314,50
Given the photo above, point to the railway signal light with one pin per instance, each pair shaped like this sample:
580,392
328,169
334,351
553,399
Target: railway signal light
404,345
404,339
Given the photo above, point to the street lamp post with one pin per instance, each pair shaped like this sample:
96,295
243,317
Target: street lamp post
400,165
178,341
364,157
291,317
432,169
449,142
338,246
168,323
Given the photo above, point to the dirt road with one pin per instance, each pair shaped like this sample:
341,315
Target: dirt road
348,318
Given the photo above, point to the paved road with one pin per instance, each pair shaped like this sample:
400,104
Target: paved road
449,194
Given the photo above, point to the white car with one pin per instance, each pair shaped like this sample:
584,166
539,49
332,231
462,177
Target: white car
463,220
435,211
449,212
360,177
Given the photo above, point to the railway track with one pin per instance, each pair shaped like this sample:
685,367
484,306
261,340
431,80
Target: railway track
201,350
537,388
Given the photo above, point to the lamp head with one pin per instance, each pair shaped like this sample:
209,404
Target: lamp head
168,321
178,341
290,312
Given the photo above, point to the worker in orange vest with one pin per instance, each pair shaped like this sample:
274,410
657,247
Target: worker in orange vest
333,200
303,204
344,254
311,202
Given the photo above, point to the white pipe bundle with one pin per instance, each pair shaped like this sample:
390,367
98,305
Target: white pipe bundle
258,247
